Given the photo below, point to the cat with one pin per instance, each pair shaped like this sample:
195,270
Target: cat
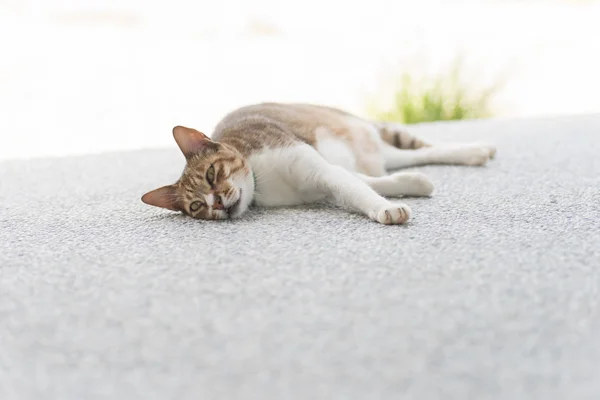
280,154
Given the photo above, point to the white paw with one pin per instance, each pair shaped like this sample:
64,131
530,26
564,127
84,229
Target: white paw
413,184
391,214
482,152
477,156
473,155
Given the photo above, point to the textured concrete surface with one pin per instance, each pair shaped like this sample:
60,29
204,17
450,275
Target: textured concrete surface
491,292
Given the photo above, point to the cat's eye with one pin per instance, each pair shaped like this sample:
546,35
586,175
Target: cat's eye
195,206
210,175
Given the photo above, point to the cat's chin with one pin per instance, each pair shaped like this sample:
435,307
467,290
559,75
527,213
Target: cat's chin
246,188
242,205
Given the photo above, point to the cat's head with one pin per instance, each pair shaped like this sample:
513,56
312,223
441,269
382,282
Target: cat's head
216,183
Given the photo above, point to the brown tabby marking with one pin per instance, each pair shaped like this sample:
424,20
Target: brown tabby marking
275,125
399,138
193,187
193,183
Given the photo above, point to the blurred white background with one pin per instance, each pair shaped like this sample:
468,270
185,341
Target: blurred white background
82,77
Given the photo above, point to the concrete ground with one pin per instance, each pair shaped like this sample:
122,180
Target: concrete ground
491,292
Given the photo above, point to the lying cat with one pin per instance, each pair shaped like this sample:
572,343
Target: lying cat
288,154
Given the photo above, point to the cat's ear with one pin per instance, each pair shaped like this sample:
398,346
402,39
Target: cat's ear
165,197
191,141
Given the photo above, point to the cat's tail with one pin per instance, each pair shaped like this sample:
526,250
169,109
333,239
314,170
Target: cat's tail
397,136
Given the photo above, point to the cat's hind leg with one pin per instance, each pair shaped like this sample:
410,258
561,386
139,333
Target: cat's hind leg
403,150
450,154
400,184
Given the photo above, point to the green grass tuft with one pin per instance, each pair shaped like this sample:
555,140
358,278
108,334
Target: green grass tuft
441,98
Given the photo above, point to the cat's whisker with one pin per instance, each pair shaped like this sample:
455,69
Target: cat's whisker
260,176
263,181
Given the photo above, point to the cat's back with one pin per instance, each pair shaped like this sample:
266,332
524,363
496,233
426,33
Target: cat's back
279,124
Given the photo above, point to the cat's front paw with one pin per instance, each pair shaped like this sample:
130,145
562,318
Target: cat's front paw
392,214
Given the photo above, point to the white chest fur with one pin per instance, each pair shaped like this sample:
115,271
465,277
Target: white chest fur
285,176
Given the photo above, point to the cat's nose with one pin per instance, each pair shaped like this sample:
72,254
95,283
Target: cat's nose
218,203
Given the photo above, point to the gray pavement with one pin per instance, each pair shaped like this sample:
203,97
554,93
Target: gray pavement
491,292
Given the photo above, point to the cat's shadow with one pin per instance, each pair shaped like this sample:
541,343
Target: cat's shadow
254,214
260,215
